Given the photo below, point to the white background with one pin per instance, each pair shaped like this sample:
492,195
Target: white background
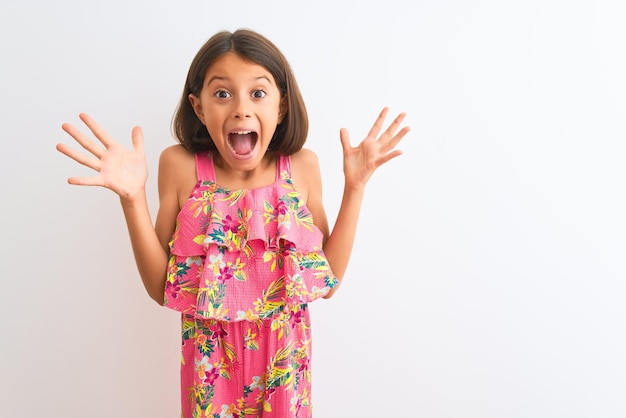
488,276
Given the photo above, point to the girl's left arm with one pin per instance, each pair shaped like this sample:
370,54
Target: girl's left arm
359,163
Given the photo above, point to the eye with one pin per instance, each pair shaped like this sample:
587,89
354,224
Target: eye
222,94
259,94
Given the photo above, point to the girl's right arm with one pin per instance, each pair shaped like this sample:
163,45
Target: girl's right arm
125,173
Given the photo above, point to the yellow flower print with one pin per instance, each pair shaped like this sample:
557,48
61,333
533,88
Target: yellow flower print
250,340
216,263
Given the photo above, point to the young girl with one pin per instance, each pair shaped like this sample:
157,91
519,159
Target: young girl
241,242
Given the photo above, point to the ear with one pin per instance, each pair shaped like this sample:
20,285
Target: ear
282,109
197,106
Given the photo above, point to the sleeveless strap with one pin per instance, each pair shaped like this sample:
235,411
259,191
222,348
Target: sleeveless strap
204,166
284,164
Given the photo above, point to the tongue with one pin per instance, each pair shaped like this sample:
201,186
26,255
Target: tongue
241,143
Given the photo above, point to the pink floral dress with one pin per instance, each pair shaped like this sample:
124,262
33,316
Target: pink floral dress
243,266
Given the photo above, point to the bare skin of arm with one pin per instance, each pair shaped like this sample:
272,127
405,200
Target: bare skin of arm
359,163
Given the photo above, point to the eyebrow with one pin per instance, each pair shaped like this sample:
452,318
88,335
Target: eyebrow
222,78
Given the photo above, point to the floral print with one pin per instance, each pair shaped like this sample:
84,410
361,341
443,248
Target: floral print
243,266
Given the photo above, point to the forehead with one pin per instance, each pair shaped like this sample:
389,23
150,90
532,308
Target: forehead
233,67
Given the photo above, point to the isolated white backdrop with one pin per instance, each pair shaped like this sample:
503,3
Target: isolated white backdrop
488,276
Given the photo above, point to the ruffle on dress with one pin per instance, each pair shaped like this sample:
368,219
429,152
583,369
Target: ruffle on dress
236,256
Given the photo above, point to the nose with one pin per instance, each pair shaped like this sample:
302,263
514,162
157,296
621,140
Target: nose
242,109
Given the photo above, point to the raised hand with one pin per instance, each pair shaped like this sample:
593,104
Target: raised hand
359,163
121,170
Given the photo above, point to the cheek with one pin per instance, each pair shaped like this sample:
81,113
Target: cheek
275,113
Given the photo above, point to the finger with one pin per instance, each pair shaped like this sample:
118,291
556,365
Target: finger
378,124
345,139
389,156
137,138
85,181
391,130
79,157
393,141
96,129
84,142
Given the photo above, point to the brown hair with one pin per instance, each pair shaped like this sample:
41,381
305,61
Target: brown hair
290,134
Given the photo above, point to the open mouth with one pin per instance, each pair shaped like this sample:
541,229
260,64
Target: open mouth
242,142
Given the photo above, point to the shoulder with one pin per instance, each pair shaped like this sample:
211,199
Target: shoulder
305,172
304,160
176,157
177,168
175,153
176,180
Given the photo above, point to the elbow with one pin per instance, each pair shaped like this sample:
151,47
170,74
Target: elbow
156,290
331,292
157,296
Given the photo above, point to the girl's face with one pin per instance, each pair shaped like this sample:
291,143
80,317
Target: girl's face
240,105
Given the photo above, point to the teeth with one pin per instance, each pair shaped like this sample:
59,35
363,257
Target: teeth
242,132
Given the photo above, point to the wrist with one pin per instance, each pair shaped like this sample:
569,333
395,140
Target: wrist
130,201
356,189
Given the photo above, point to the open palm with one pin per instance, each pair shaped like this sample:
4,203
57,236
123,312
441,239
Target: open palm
359,163
121,170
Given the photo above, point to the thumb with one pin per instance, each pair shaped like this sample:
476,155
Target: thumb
137,138
345,139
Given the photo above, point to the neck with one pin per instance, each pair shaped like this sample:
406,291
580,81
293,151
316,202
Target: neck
263,174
